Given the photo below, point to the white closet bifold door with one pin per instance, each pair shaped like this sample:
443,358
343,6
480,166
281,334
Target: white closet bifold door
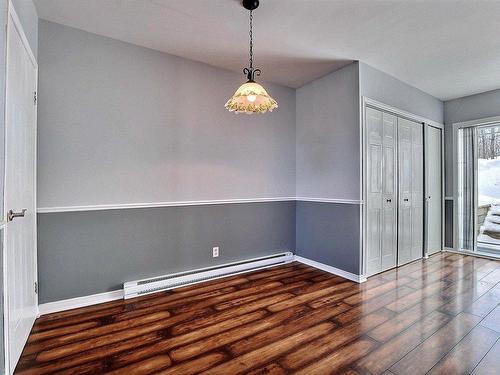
381,243
410,157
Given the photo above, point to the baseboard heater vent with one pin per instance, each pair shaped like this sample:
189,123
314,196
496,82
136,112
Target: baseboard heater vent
156,284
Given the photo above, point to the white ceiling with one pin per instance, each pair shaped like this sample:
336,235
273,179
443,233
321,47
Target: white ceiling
447,48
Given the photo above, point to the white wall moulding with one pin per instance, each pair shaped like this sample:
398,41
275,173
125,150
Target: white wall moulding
329,200
330,269
124,206
74,303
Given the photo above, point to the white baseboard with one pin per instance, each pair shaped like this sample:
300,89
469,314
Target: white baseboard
330,269
74,303
94,299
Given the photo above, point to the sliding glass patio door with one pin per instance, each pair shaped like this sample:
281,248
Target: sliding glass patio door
478,189
488,189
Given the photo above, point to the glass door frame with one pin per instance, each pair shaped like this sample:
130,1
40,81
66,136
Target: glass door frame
456,127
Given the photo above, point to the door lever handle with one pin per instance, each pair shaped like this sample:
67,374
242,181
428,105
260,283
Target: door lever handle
11,215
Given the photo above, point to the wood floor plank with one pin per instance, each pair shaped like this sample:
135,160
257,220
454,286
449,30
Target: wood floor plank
340,336
485,304
440,314
386,355
239,301
466,355
176,341
466,298
405,319
164,301
340,358
489,365
232,335
147,366
219,316
492,320
86,356
372,305
271,369
493,276
421,359
299,323
195,366
370,293
406,302
85,369
44,335
258,357
59,352
303,298
94,332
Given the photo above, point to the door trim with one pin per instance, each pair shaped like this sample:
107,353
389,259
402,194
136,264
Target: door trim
368,102
14,21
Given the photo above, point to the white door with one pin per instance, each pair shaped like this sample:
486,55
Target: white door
410,158
381,224
389,198
20,180
434,191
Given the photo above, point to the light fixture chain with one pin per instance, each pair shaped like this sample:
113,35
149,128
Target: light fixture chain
251,40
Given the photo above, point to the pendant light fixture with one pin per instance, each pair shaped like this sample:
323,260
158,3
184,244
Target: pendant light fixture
250,96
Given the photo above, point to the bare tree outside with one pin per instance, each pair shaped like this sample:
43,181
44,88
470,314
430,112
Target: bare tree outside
488,142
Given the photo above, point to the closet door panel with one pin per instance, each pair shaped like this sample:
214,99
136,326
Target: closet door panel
389,218
374,188
410,218
417,191
405,187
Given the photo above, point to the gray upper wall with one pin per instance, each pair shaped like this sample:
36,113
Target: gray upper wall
328,136
468,108
28,16
384,88
120,123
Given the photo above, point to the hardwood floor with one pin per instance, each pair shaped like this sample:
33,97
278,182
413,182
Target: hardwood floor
437,316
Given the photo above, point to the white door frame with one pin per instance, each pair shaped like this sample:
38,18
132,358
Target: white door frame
14,21
368,102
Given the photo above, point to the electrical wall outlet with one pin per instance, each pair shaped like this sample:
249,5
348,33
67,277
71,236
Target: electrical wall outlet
215,252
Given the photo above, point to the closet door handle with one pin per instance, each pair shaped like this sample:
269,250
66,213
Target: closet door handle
388,200
11,215
406,199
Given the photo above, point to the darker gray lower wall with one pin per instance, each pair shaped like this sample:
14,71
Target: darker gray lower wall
83,253
2,358
448,223
329,233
